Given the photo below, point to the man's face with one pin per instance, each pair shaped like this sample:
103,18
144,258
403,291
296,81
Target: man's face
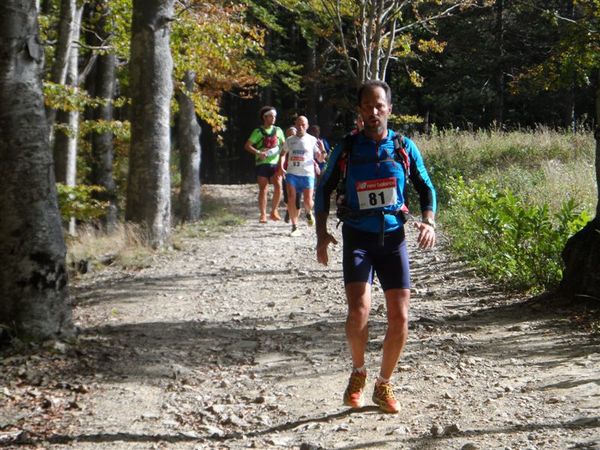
269,119
301,125
374,110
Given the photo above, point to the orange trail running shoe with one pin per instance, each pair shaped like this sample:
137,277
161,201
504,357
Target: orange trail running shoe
353,394
383,396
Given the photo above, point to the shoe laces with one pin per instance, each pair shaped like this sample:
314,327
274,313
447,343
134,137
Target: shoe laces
356,383
385,392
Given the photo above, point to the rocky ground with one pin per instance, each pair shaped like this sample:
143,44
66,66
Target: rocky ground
236,340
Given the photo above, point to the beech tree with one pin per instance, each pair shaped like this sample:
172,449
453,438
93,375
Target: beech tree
188,139
68,29
102,85
33,280
65,138
149,184
370,34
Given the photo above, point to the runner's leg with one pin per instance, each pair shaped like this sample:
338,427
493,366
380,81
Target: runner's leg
308,199
263,183
397,302
276,180
292,203
358,295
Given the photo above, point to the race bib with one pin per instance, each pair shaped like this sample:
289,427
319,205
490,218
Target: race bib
376,193
297,161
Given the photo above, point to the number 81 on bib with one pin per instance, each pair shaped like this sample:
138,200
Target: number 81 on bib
376,193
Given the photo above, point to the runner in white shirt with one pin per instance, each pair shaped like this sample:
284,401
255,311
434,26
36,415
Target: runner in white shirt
300,151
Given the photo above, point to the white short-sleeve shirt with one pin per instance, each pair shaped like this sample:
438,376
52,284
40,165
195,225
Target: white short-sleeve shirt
301,153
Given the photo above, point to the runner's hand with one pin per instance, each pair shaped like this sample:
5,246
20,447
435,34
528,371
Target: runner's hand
322,244
426,239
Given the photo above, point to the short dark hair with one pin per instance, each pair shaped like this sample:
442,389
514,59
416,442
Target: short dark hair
372,84
264,110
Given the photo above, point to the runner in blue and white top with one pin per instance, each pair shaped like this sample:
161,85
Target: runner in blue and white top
373,165
375,181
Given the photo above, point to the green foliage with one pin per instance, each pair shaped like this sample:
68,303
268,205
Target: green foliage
285,70
78,202
118,22
68,98
265,17
397,120
515,243
576,55
120,129
215,42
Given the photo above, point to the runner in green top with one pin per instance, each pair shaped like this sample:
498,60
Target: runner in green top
265,144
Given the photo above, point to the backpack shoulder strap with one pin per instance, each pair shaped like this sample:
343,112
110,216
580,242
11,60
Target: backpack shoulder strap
400,152
347,144
265,134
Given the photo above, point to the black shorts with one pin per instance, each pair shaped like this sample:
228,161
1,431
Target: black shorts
265,170
363,255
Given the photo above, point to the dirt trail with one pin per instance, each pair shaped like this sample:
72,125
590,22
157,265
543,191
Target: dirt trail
237,341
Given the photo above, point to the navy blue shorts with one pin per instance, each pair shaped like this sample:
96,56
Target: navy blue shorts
363,255
265,170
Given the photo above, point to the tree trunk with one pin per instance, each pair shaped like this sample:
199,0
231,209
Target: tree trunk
59,70
33,279
312,95
102,143
500,85
568,102
597,136
148,189
65,143
581,277
188,138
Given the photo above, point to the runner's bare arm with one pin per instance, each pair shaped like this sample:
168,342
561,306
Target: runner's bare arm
282,159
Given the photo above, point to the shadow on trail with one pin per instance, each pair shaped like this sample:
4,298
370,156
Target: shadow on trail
132,288
189,437
537,330
424,442
168,350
